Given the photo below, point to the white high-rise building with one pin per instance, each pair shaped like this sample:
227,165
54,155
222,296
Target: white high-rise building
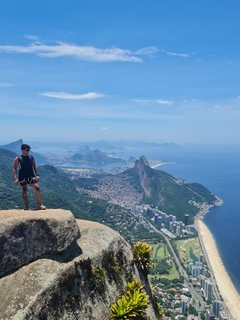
178,231
196,271
191,265
202,280
208,290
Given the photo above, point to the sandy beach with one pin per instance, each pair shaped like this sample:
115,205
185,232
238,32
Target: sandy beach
160,164
226,287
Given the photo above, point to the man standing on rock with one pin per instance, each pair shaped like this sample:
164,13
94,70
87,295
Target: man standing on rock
27,174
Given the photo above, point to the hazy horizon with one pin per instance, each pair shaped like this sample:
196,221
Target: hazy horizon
76,143
163,71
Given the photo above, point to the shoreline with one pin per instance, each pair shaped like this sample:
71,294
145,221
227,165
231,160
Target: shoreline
161,164
226,288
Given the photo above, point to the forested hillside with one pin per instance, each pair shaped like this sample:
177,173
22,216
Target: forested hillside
57,190
140,184
169,194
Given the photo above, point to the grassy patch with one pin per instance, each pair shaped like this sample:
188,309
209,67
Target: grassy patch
163,266
160,251
173,273
189,250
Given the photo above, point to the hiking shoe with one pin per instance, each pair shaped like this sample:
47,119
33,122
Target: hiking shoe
26,208
42,207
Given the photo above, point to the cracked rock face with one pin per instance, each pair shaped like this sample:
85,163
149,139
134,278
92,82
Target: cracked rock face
28,235
80,282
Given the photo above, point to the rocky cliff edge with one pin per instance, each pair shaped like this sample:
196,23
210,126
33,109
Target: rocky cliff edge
49,272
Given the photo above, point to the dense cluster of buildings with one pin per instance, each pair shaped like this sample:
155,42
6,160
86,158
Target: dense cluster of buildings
175,299
172,229
169,224
197,270
215,312
206,285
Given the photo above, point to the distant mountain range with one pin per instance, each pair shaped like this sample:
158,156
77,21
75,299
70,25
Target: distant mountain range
123,144
104,145
95,157
16,147
84,155
58,191
90,198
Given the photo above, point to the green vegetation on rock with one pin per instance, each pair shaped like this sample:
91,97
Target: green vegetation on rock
132,304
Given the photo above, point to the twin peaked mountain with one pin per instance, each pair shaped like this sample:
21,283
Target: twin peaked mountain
142,184
89,198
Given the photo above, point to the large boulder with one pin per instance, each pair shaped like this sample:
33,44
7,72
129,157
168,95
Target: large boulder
28,235
80,282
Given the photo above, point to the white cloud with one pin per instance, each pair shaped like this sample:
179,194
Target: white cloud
164,102
183,55
6,85
192,100
87,53
31,37
72,96
147,50
104,128
146,102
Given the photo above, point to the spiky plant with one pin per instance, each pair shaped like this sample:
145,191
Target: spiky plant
99,277
142,254
132,304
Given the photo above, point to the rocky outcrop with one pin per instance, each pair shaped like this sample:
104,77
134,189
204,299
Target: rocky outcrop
141,165
80,282
28,235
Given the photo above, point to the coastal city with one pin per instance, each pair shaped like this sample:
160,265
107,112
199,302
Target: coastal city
199,288
186,273
120,137
199,291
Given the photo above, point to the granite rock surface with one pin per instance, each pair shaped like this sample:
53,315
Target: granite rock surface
80,282
29,235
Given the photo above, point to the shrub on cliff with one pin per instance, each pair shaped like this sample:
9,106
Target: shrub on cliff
132,304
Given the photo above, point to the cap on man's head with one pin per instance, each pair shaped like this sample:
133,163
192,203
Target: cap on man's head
25,146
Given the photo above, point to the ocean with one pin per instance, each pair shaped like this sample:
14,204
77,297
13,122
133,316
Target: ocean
218,169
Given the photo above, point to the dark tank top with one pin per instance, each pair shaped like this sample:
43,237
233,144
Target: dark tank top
25,167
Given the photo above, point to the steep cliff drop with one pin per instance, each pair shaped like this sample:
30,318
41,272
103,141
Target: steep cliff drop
49,272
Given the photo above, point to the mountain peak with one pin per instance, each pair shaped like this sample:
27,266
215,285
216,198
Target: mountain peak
143,159
142,162
13,146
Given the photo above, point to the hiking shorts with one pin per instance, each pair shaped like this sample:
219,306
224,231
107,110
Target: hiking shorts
30,180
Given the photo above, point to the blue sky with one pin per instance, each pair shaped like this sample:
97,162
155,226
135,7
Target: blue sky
163,71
